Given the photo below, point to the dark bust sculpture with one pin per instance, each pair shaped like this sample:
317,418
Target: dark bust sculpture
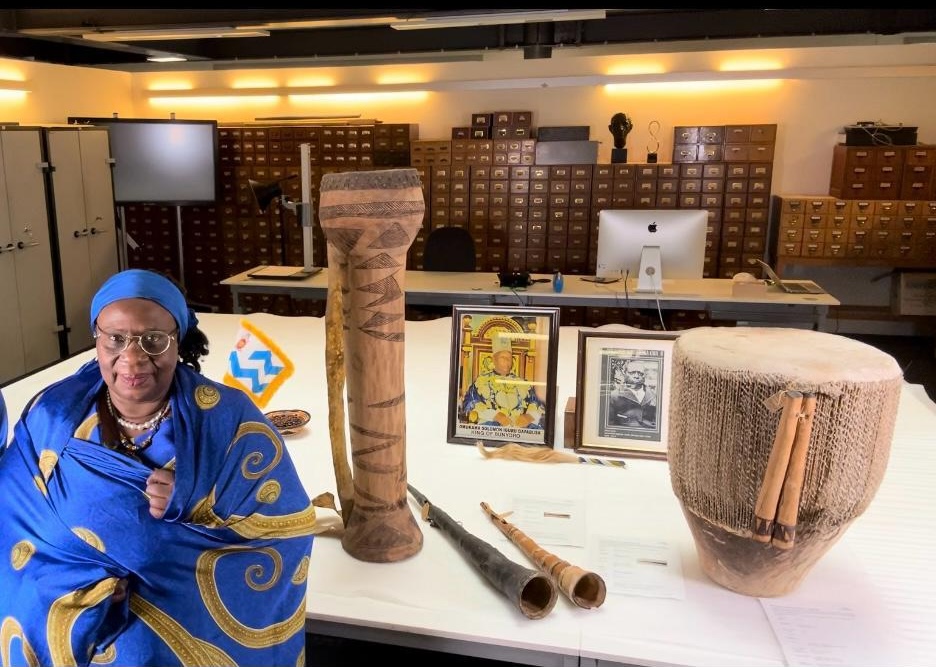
620,127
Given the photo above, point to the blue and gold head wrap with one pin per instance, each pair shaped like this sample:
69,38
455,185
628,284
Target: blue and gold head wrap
142,284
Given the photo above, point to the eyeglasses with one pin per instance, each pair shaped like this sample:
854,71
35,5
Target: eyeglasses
153,343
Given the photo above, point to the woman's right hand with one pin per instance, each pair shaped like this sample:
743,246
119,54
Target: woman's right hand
120,591
159,487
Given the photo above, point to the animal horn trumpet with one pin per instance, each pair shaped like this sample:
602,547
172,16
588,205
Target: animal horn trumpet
532,592
586,589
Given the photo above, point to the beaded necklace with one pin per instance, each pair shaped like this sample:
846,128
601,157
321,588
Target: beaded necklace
134,426
151,425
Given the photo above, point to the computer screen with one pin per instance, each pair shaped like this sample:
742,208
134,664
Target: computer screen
651,245
162,161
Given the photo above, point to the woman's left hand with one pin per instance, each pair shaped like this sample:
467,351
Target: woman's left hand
159,488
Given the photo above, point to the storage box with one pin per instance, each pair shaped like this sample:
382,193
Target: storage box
914,293
563,133
566,152
880,135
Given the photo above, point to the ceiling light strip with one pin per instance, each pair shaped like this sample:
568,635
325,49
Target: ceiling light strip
563,82
171,34
12,86
497,18
324,23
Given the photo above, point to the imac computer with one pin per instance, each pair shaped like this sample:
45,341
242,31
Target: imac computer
651,245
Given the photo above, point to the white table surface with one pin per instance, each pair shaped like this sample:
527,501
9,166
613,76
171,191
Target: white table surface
475,288
881,565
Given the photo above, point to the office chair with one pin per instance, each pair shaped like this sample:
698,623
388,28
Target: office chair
449,249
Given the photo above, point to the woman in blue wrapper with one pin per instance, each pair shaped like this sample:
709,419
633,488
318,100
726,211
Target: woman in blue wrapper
150,516
4,429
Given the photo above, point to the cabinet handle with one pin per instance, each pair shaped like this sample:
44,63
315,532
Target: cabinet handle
95,230
83,232
23,244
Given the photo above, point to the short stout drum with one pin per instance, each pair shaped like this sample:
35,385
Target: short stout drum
779,439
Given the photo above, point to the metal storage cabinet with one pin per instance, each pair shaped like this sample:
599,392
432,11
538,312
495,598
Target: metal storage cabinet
83,198
29,330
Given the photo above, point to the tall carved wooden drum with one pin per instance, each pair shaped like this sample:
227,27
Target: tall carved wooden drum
370,219
779,439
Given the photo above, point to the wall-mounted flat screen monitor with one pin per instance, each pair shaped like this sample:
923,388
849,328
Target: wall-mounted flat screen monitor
162,161
651,245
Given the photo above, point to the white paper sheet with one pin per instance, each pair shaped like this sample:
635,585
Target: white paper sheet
825,634
554,521
650,568
836,617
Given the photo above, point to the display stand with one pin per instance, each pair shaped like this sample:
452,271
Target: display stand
264,194
181,253
307,213
123,239
650,278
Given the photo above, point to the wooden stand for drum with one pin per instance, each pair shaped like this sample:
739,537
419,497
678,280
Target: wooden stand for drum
779,439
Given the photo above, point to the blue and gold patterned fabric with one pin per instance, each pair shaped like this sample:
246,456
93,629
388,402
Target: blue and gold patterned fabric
219,580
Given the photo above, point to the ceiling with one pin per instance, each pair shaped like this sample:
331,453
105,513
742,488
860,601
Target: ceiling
356,36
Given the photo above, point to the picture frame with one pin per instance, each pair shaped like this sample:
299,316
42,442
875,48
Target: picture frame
493,401
622,393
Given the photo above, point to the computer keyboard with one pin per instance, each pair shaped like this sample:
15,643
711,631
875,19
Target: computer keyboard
801,287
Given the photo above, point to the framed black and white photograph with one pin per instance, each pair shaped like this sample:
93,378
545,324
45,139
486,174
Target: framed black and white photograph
503,375
622,392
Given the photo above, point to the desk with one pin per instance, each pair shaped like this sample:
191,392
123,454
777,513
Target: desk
436,600
712,295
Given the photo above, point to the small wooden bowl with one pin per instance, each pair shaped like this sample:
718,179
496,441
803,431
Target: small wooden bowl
288,422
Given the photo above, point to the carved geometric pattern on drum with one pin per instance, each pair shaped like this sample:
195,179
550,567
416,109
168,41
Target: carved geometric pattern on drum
379,261
384,179
390,402
380,319
388,288
376,435
369,501
376,468
389,336
377,209
384,537
394,236
343,239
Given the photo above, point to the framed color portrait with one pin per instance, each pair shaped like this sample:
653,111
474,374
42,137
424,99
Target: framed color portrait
622,393
503,375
